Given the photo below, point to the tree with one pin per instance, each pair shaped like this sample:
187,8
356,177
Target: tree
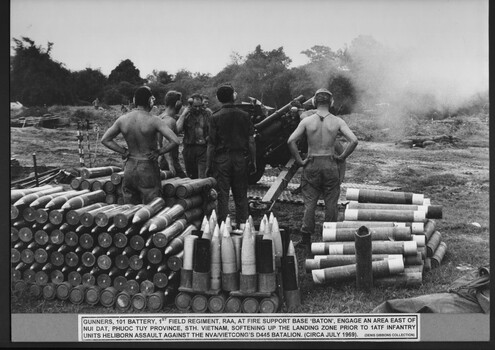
125,71
319,53
161,77
36,79
259,74
89,84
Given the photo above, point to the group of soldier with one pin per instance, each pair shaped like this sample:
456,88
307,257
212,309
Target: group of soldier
221,144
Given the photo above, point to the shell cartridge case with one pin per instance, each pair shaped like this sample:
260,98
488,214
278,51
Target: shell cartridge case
92,295
419,239
71,239
103,280
76,294
123,301
104,218
427,264
88,279
169,186
56,216
86,241
233,305
439,254
15,256
111,198
56,276
41,237
136,242
432,244
250,305
377,247
117,177
362,243
29,214
216,303
333,234
42,215
432,211
160,279
155,301
183,301
199,303
122,261
74,278
135,262
104,240
57,237
269,304
40,256
131,287
29,276
119,240
71,259
25,234
27,256
124,218
41,278
380,268
35,290
49,291
119,282
416,227
63,290
73,217
75,183
89,173
430,226
191,202
14,234
154,256
146,287
175,262
384,215
162,238
87,219
108,296
195,186
14,212
392,197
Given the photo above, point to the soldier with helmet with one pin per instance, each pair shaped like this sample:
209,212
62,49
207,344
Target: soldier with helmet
321,170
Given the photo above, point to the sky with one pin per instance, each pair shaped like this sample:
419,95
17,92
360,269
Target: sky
445,37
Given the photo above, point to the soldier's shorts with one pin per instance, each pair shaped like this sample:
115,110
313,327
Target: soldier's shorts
141,183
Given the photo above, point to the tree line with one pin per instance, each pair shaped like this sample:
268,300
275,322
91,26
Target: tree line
36,79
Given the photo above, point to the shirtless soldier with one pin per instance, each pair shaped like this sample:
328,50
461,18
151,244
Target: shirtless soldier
321,167
140,129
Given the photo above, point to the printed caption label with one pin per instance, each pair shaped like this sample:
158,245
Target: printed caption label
230,327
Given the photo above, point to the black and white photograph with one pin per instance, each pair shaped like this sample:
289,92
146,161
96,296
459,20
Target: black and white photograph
280,172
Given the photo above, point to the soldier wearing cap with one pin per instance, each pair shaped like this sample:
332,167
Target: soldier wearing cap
231,152
141,183
321,171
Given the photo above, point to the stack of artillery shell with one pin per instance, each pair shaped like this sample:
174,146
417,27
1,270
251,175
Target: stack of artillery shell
226,270
404,242
74,246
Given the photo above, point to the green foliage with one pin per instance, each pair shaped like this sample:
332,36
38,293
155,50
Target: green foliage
36,79
89,84
125,71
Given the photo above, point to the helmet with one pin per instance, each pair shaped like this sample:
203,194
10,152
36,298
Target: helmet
322,96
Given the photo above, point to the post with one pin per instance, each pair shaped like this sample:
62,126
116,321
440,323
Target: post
35,170
364,274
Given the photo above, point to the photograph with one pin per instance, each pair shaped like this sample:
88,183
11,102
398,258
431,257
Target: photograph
278,172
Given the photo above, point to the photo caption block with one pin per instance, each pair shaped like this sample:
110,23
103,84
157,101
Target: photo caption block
232,327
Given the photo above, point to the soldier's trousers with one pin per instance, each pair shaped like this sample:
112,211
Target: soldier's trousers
231,172
321,175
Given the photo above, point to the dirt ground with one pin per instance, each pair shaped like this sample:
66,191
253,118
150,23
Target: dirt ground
455,176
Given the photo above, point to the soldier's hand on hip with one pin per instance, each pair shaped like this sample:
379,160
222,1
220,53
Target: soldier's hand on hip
153,155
